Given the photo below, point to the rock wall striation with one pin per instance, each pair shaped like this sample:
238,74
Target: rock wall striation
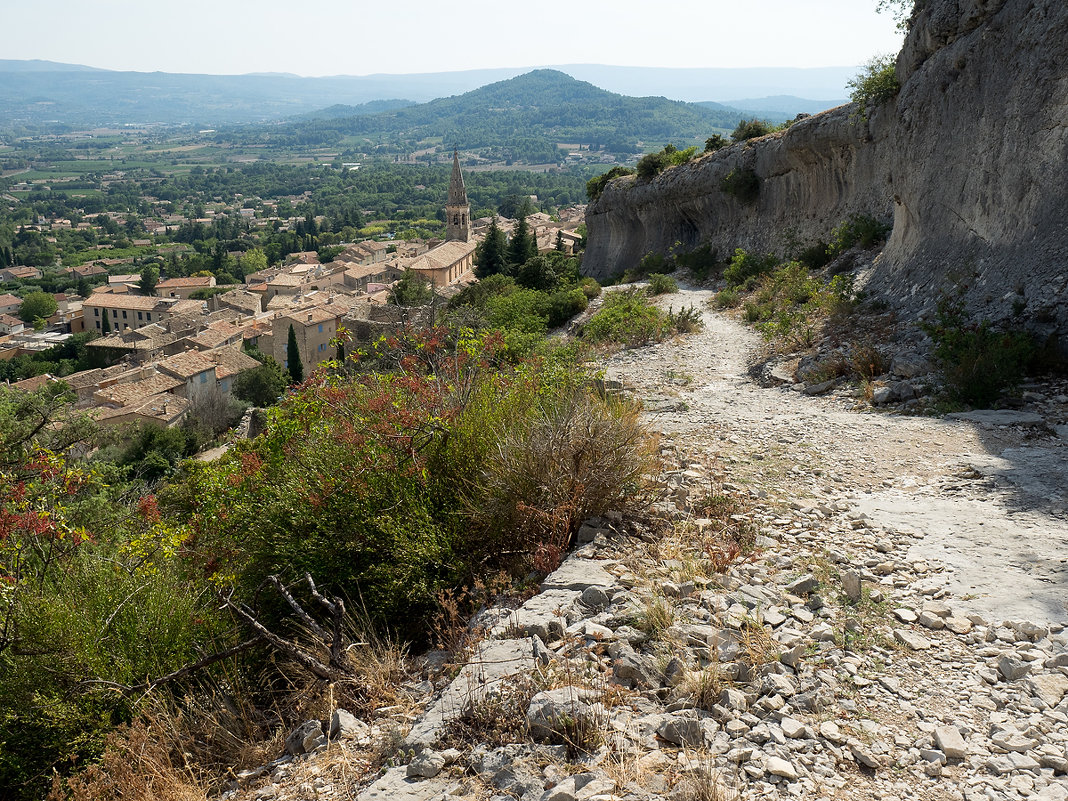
970,161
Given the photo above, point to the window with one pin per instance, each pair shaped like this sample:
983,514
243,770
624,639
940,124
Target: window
320,328
204,378
114,314
98,324
96,312
124,314
139,317
148,316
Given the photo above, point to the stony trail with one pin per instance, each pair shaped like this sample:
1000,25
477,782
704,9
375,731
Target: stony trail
987,502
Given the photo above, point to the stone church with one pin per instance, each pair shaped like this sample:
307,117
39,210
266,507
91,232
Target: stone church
454,259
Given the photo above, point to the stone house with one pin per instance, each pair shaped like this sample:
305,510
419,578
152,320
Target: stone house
314,329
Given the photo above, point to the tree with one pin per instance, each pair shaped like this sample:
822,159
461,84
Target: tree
751,129
263,385
411,290
523,245
901,10
876,84
714,143
105,327
253,261
491,253
149,279
296,367
37,305
559,242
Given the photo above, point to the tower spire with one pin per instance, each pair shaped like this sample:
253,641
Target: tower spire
457,209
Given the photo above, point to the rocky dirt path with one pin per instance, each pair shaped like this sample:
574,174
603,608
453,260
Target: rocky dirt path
987,502
898,632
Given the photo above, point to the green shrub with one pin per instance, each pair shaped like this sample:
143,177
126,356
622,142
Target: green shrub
652,164
741,184
700,261
729,298
978,361
590,287
751,129
858,229
745,265
595,186
660,284
91,591
714,143
565,304
652,263
626,318
876,84
686,320
815,256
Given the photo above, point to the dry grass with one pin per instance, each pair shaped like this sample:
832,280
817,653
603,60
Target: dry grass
138,765
703,687
656,616
703,782
759,646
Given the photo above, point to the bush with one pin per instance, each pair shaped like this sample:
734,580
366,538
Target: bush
652,164
565,304
744,266
875,85
660,284
626,318
590,287
575,458
743,185
376,485
728,299
858,229
700,261
92,590
714,143
686,320
751,129
595,186
815,256
978,361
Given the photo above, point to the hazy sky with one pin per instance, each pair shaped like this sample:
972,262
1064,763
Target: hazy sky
359,37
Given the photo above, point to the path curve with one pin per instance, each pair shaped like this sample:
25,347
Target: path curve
990,504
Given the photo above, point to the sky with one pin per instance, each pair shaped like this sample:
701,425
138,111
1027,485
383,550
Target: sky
361,37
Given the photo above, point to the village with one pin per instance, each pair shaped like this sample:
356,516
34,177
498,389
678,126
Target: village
186,342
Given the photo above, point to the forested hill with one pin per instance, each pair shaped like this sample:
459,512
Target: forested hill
534,111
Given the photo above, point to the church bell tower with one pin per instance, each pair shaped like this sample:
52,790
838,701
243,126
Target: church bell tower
457,209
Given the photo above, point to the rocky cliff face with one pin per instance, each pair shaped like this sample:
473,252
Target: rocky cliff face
970,161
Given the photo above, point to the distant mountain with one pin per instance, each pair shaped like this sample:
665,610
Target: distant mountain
340,111
727,85
787,106
524,118
44,92
36,65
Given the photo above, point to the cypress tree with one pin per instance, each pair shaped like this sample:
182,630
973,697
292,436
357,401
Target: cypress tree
491,253
105,327
296,367
523,245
